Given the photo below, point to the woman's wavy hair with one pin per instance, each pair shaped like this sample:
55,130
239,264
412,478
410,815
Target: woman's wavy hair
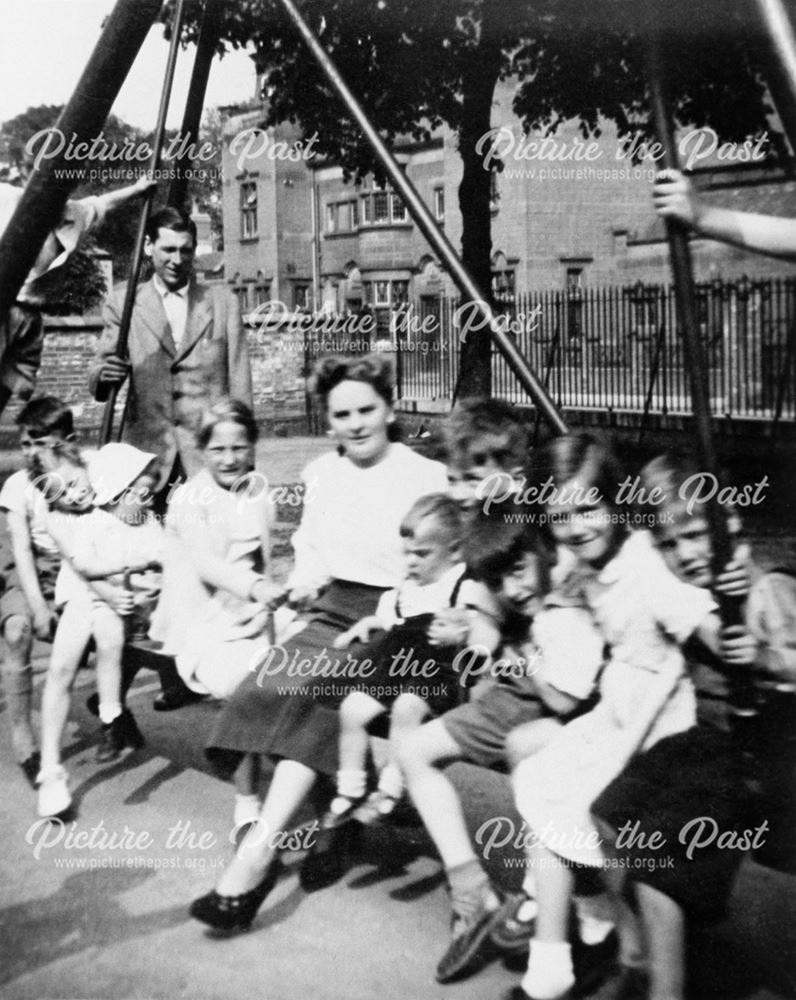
375,370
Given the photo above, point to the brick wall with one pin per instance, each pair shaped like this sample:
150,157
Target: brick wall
277,360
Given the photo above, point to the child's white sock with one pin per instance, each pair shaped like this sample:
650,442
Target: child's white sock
596,917
530,907
351,784
391,781
247,808
108,711
550,973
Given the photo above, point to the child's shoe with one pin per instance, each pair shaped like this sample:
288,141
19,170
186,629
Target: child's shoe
54,797
514,925
113,740
377,808
341,810
471,926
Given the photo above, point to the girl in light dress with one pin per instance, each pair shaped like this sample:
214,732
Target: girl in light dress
644,614
217,594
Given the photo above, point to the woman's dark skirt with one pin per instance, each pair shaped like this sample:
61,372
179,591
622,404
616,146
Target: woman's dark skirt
287,706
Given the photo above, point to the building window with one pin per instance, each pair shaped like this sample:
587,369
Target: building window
301,296
354,206
381,293
242,294
504,285
367,210
262,294
439,204
331,218
381,207
248,210
398,209
400,293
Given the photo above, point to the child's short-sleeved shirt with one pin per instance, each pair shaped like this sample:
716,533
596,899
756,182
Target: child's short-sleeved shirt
20,496
412,599
645,613
101,540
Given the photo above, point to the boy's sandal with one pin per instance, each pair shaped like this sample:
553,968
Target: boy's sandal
510,933
377,808
340,811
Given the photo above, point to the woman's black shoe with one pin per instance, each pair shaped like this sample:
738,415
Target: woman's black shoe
230,913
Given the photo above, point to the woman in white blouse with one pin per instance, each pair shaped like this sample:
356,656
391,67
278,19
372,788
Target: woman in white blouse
348,551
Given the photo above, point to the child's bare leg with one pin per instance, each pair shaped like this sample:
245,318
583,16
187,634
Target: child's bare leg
528,739
408,713
71,639
289,788
18,684
664,925
550,972
472,897
356,712
420,755
108,630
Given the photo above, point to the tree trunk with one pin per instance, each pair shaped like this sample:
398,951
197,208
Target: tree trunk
478,88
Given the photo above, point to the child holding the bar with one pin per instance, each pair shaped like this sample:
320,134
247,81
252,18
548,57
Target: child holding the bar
645,614
694,783
101,521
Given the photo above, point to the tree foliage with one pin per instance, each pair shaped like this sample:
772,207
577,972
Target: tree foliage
415,64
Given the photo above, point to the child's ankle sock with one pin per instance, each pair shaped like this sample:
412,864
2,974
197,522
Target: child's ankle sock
550,973
351,784
108,711
530,907
391,781
470,888
247,808
596,917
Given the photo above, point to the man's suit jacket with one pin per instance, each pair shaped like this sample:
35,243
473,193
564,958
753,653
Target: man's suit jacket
170,388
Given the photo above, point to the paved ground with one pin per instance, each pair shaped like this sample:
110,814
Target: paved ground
105,917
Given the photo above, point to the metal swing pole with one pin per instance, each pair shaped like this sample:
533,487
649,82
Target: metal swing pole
782,76
429,228
81,120
194,103
132,283
685,297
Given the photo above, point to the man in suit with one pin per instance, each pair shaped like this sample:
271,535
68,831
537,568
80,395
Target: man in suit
187,348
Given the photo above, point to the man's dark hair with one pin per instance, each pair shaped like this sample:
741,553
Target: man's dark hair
170,218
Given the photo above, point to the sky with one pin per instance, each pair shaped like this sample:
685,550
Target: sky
45,45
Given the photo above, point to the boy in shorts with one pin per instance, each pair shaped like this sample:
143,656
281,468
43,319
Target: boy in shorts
26,608
547,666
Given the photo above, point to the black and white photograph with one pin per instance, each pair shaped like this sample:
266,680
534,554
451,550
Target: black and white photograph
398,499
